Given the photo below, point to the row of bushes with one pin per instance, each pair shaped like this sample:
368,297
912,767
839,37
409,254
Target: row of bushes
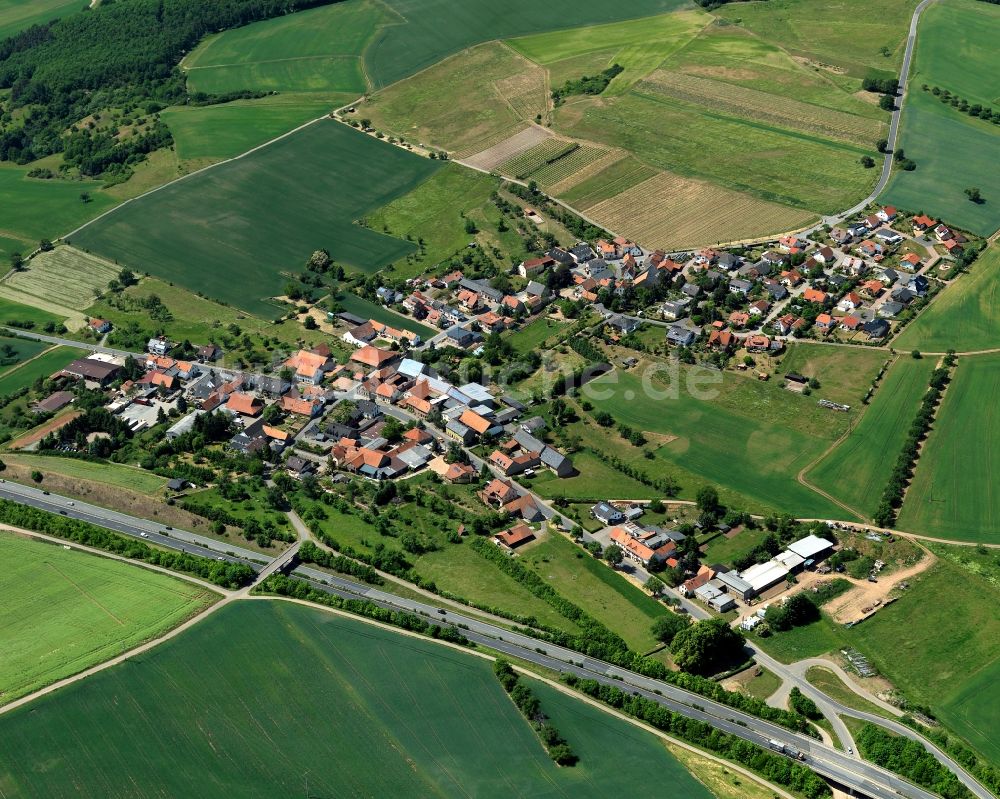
892,496
985,113
299,589
310,553
222,573
774,768
987,774
525,701
909,759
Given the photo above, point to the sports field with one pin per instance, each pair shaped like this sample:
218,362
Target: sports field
66,276
954,493
856,472
434,720
938,184
231,231
965,317
44,365
64,611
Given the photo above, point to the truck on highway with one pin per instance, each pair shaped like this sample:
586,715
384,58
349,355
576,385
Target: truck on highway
785,749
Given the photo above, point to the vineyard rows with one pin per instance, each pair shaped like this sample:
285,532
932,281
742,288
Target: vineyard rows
521,166
569,164
488,153
525,92
593,168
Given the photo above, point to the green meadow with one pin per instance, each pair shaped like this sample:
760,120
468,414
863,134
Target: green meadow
954,493
231,232
752,438
965,317
956,50
856,471
391,715
24,374
65,610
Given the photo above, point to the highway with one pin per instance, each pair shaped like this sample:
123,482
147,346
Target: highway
859,776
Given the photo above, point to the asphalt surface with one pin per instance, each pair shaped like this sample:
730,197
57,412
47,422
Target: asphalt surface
862,777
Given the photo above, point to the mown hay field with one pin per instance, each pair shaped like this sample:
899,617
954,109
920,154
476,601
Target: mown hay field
434,720
764,107
231,231
66,276
671,211
65,610
464,103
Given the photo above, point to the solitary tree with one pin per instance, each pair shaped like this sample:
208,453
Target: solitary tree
974,194
614,555
867,161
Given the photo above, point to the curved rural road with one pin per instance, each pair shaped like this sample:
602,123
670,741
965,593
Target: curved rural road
904,76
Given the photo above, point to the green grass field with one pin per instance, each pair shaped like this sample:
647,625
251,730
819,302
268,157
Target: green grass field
596,480
432,212
947,609
11,311
430,30
64,611
367,309
38,209
762,159
752,438
231,231
21,350
16,15
954,492
724,550
938,184
47,363
857,470
204,134
531,337
434,720
835,37
965,317
592,585
638,45
317,50
111,473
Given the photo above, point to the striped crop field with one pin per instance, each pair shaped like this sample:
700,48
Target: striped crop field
67,276
488,154
771,109
539,156
567,165
670,211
